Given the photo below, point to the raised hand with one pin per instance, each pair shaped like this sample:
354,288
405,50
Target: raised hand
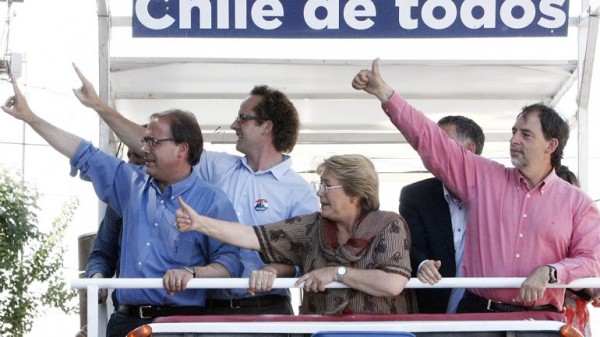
86,94
372,82
187,219
233,233
17,106
183,216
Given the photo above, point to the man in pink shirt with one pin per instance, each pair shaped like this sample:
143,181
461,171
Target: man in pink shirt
522,221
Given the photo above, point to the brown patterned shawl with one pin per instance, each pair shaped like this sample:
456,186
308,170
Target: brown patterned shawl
379,241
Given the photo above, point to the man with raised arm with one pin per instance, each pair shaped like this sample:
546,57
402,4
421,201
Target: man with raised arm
261,185
145,197
522,221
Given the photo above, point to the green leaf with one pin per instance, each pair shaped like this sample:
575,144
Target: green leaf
31,277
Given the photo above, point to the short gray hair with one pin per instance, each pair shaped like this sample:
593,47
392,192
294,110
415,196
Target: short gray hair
358,176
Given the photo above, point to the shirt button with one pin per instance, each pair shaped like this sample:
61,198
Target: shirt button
156,224
528,196
521,235
139,263
518,256
524,215
162,201
147,243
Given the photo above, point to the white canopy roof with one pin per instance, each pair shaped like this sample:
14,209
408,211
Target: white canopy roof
487,79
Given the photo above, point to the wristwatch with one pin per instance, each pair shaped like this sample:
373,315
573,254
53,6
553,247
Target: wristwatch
191,270
553,276
341,272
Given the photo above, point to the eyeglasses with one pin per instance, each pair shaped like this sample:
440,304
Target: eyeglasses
323,187
153,141
242,118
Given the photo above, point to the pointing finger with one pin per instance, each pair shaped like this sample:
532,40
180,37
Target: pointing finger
79,74
16,88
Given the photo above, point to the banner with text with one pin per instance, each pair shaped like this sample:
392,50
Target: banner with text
349,19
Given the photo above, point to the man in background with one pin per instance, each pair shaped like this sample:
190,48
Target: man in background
437,221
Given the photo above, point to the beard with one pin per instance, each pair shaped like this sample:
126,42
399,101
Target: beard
518,161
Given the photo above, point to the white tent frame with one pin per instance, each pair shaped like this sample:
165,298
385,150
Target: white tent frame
563,74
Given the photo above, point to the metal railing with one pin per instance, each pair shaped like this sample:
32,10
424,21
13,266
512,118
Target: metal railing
96,321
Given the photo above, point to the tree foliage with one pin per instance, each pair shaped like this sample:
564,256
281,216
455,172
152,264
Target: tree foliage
31,261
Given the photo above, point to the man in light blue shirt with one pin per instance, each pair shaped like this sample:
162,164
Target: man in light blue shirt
146,199
263,188
261,185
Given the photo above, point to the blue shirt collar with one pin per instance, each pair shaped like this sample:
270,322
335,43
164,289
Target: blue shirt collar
174,190
277,171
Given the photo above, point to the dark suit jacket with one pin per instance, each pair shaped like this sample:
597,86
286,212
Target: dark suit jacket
427,214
